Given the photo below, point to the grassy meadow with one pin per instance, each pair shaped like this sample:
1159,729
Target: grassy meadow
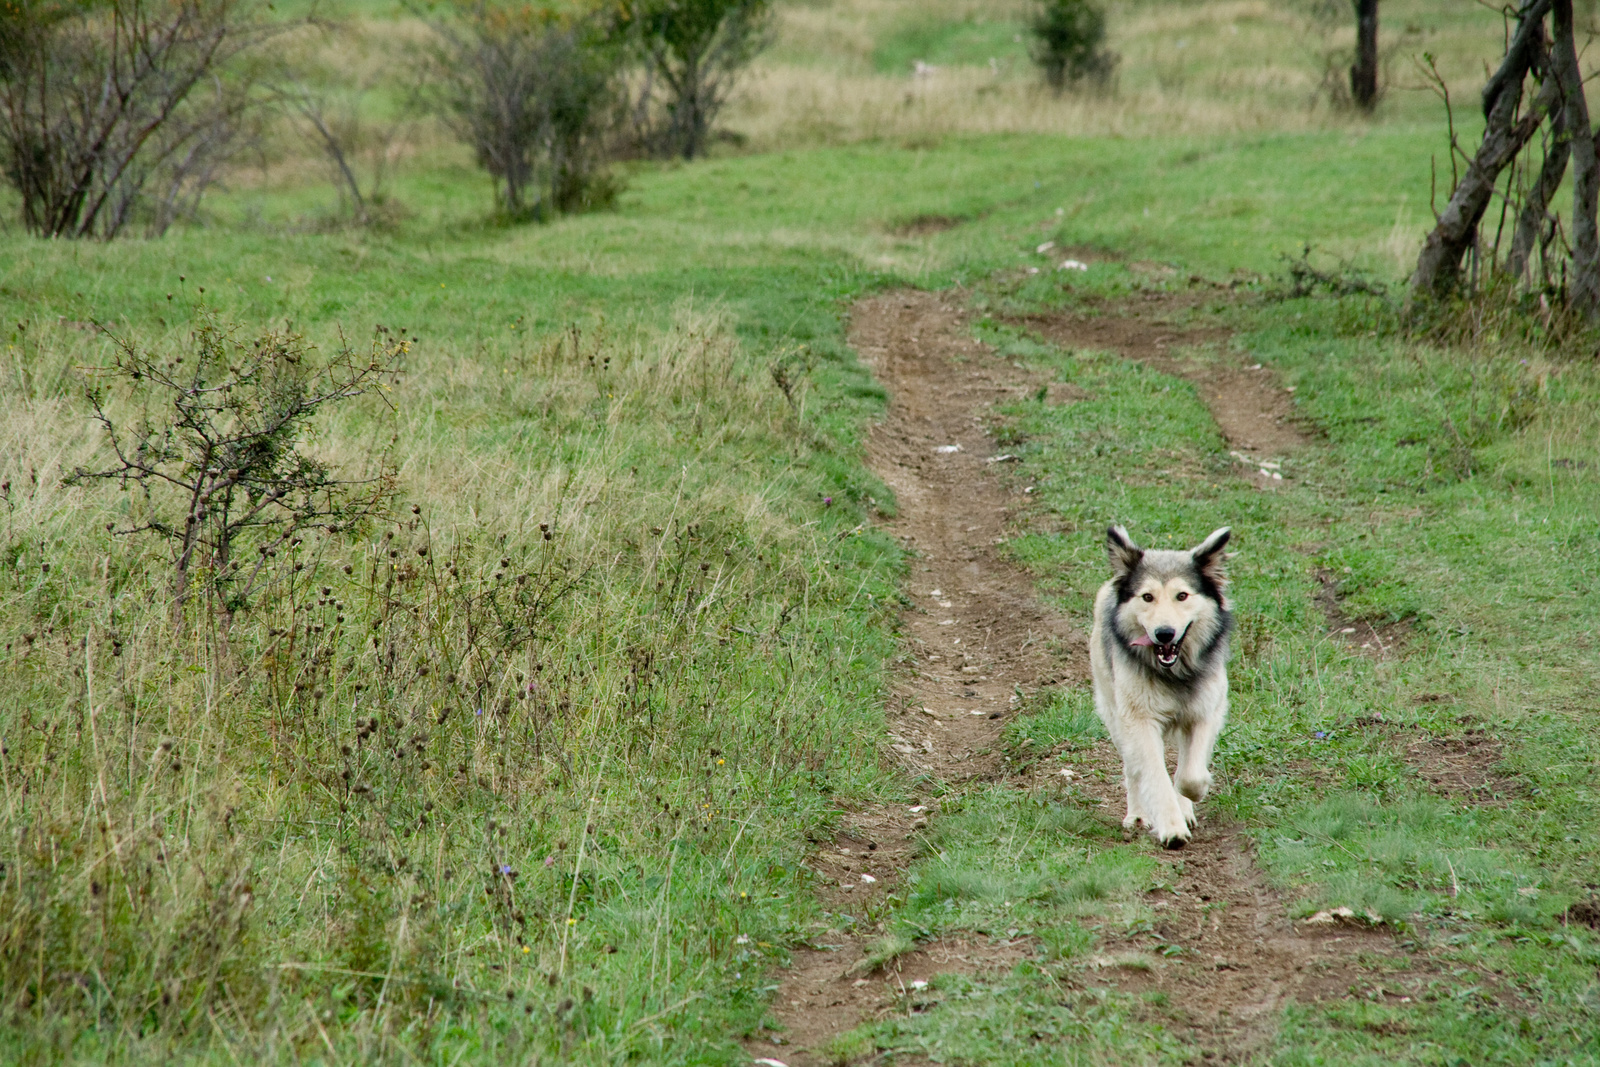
525,769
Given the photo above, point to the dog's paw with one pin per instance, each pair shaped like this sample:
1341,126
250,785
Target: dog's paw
1186,806
1196,788
1172,832
1130,820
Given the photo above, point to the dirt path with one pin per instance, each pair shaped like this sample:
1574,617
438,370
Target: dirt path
976,641
1255,414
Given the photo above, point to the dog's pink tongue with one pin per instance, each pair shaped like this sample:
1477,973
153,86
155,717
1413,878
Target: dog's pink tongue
1142,641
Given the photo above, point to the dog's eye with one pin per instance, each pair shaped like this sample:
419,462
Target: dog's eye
1149,598
1182,596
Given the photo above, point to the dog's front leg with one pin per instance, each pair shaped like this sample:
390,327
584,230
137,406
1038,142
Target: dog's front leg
1194,755
1183,736
1144,765
1131,790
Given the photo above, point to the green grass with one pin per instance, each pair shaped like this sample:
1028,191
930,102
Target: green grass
1489,566
189,877
554,805
973,41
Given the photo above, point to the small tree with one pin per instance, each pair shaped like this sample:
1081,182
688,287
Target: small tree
218,454
101,101
693,51
1068,44
330,109
533,91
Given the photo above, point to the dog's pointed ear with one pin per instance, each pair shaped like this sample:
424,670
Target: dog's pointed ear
1208,554
1125,555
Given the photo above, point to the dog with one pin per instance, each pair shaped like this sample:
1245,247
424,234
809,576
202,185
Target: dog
1159,653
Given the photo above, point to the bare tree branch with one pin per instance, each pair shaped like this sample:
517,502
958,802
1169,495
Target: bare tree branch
98,101
1583,294
1438,269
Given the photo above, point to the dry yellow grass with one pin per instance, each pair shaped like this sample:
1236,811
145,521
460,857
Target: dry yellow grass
1229,66
1194,68
783,106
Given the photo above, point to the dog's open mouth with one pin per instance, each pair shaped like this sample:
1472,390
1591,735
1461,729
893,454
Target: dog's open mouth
1166,655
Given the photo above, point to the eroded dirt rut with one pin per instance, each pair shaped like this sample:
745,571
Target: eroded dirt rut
976,641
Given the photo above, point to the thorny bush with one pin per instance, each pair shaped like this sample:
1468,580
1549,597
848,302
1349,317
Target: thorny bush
218,454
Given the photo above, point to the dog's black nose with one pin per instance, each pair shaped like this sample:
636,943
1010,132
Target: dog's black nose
1164,635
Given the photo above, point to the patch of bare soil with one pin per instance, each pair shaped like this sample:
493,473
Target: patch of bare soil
1229,959
1465,768
976,642
1222,947
837,985
1380,642
924,225
1584,913
1255,413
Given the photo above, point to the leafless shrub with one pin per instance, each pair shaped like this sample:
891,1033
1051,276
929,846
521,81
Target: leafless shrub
332,122
329,106
218,455
122,110
1304,278
533,91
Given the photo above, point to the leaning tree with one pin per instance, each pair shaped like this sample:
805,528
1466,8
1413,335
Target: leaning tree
1538,86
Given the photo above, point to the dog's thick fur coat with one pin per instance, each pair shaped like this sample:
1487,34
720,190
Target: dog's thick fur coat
1159,654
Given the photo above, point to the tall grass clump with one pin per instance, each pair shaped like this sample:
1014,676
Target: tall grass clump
517,768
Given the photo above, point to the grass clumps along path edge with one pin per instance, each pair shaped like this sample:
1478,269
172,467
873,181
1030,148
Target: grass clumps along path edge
1368,778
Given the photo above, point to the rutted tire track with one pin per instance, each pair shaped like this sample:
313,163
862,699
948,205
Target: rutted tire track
977,638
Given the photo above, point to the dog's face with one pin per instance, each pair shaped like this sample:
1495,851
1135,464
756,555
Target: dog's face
1171,610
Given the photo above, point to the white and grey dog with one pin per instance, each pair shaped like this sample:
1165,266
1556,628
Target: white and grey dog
1159,653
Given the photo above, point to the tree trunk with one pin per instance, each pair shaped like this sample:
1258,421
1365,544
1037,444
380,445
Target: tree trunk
690,120
1584,294
1438,270
1364,74
1531,220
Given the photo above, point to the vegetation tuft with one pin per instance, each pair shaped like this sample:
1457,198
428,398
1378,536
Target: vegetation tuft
439,766
219,467
1069,44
